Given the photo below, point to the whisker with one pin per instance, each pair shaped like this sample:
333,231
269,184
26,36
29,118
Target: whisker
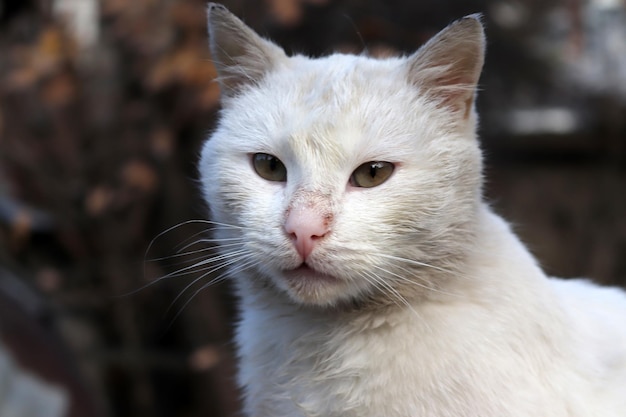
184,244
194,252
179,225
192,261
382,286
205,274
397,296
219,278
192,238
414,262
413,282
187,222
213,240
191,269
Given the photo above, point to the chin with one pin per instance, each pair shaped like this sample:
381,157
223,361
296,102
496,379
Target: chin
309,287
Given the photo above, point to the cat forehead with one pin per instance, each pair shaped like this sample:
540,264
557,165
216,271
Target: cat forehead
341,67
331,82
337,78
335,111
334,93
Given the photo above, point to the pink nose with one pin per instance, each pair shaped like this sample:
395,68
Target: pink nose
306,226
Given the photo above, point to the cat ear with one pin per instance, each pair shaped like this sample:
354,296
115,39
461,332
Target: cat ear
241,57
448,66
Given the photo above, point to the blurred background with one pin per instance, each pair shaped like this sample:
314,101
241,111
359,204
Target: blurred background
104,105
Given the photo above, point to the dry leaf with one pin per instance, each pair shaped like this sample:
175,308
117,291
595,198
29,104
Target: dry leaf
139,175
185,65
287,12
60,90
210,96
98,200
162,143
188,15
21,226
49,279
50,42
22,78
290,12
204,358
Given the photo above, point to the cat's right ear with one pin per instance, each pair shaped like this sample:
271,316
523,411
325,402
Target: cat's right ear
241,57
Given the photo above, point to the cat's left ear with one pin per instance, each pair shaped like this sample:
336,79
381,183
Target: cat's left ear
448,66
241,57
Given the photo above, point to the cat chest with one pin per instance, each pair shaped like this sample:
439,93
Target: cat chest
310,369
320,373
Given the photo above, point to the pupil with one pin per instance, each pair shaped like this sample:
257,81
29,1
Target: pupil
273,164
373,169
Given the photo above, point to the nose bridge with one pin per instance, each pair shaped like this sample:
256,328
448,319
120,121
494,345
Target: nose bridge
312,201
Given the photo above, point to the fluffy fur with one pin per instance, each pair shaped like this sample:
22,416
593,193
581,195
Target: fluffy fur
416,300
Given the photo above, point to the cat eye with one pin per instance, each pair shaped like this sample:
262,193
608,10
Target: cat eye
371,174
269,167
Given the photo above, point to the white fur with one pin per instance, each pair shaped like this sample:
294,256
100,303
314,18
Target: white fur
516,344
477,331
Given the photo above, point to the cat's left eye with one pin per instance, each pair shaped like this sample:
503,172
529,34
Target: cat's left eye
269,167
371,174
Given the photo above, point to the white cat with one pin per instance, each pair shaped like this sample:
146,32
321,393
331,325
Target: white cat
374,281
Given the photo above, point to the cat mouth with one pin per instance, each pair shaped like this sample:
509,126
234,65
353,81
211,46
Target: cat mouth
306,273
309,286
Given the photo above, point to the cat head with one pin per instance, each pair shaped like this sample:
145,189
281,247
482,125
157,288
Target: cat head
345,178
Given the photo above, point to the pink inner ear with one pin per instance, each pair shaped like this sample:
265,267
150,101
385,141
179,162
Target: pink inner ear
453,86
448,66
306,226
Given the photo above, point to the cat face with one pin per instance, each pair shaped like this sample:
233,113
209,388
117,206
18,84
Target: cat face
343,178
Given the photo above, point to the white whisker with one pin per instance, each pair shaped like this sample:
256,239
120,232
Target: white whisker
382,286
191,238
177,226
397,297
194,252
414,262
208,240
243,266
414,282
185,223
211,271
191,269
195,267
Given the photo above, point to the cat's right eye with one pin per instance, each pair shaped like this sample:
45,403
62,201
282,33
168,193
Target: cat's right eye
269,167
